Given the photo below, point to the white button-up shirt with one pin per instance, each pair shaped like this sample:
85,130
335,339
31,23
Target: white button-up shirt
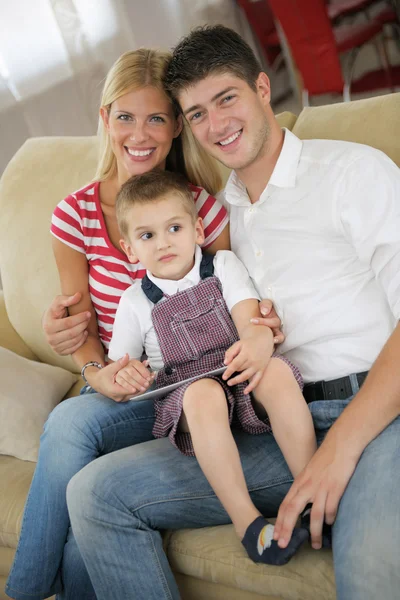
133,330
323,243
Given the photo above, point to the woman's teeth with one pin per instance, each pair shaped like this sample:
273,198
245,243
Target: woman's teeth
139,152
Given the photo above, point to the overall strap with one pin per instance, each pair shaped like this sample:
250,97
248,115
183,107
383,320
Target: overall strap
151,290
207,266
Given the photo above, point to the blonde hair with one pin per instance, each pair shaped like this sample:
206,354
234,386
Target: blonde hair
150,187
132,71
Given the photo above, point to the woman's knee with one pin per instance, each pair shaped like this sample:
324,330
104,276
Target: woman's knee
72,419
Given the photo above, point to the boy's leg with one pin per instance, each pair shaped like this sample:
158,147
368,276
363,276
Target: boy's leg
77,431
279,394
206,417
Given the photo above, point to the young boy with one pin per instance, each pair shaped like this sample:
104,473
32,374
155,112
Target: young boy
192,314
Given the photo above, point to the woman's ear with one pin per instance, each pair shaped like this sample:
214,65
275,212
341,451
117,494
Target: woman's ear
178,126
105,117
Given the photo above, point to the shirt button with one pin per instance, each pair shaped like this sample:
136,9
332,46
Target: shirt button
251,209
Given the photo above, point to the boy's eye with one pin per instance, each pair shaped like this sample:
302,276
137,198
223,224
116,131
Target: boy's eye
174,228
146,236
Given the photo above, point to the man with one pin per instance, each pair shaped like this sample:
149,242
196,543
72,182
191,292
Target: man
317,224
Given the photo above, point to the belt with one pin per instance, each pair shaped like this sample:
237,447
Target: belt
336,389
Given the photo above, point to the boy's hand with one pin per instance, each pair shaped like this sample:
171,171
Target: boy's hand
250,356
135,377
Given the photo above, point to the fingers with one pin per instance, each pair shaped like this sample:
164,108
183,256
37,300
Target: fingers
130,377
289,511
317,519
243,376
255,380
230,354
279,337
271,322
59,306
69,347
265,307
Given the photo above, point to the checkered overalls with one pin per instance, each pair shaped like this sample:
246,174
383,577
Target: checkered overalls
194,330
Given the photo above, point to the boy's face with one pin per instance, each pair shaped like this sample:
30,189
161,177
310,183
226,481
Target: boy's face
163,236
228,118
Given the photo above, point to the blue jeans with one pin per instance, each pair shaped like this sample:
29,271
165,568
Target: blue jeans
119,503
79,430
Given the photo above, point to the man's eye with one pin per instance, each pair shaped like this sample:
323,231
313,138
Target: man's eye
195,116
175,228
227,98
146,236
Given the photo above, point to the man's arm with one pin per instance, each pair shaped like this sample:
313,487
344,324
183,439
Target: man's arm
326,476
369,217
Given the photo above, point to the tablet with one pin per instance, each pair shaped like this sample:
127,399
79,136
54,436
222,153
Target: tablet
163,391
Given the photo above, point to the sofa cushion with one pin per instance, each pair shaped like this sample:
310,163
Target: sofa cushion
215,554
28,393
374,121
18,475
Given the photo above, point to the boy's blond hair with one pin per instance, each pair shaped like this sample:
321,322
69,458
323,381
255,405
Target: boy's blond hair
151,186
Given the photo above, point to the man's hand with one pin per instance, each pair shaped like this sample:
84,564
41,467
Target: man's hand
250,356
135,377
322,482
270,319
65,334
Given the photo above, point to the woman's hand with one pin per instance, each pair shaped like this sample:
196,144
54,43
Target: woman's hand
65,334
135,377
103,380
270,319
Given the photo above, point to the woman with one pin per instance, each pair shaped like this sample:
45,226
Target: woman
139,131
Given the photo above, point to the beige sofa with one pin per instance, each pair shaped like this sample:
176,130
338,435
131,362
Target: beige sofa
210,563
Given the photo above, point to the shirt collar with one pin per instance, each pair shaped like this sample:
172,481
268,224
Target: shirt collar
170,286
283,175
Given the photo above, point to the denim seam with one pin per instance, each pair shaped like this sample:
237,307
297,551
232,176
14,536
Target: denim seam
211,494
161,572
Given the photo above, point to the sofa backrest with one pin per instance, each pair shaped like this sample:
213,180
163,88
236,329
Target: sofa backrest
45,170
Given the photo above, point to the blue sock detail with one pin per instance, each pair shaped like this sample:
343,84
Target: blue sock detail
262,548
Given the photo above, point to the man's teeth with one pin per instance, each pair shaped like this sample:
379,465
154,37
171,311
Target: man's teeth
230,139
139,152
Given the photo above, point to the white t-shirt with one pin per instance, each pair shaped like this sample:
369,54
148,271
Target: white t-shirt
133,331
323,243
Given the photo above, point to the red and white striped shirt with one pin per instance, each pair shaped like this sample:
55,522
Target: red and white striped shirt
78,221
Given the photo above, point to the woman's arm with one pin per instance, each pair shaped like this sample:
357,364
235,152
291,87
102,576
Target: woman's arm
222,242
73,271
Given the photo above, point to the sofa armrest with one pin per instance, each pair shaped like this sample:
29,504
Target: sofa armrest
9,338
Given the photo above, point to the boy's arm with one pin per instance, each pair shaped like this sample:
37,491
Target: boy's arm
251,354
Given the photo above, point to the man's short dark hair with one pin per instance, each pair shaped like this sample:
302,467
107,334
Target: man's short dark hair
210,50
